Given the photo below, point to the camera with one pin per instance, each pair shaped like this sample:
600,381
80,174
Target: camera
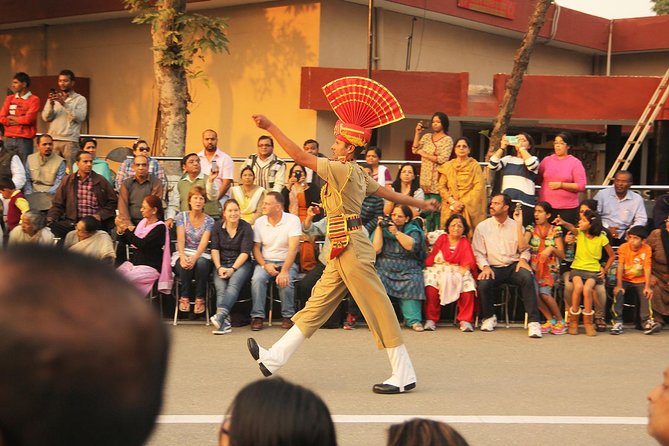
385,221
512,140
298,175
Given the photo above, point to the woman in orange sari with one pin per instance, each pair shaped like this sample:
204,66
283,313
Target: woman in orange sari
462,187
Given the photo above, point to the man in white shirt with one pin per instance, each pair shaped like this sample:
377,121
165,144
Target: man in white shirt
496,247
212,154
276,237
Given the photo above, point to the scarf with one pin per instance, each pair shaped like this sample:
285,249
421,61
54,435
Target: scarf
462,254
165,278
543,273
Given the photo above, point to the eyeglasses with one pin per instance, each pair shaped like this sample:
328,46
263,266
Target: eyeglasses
143,149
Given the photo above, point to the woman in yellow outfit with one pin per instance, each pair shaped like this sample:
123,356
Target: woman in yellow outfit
351,265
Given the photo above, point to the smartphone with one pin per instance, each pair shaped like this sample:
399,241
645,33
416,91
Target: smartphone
512,140
519,207
298,175
214,167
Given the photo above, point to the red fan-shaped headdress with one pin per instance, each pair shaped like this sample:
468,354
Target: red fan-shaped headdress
361,105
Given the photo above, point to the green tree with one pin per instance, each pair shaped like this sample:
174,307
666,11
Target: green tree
178,39
660,7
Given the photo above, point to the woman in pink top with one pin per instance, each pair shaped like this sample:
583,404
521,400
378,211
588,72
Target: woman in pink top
562,177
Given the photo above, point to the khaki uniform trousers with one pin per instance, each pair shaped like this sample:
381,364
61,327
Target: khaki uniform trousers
352,271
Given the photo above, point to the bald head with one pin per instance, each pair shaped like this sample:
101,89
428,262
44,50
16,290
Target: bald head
82,357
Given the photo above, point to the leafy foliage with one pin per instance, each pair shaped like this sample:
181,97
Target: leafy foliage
661,7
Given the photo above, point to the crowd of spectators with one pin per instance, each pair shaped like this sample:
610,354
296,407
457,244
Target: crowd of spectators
539,244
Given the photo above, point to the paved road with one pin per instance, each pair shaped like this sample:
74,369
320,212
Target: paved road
460,374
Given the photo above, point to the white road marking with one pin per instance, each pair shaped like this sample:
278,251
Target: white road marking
452,419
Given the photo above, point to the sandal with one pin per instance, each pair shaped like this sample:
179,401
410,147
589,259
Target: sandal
600,324
184,304
199,306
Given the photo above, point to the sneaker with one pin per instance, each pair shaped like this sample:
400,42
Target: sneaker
546,327
430,325
534,330
417,327
559,328
349,323
489,324
654,327
617,328
466,327
216,320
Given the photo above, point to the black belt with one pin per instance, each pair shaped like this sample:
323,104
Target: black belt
354,223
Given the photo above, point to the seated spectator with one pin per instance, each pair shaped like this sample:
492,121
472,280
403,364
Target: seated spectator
270,170
406,183
44,172
231,246
633,275
100,166
562,177
134,189
658,240
380,173
88,239
94,353
276,239
517,172
586,269
298,197
179,199
400,250
660,211
249,196
501,259
285,409
434,149
191,261
372,208
449,275
546,250
619,208
16,206
79,195
462,187
423,432
150,242
31,230
311,146
126,170
658,411
600,288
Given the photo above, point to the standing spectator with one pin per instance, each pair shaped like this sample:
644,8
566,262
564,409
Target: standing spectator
276,237
658,240
191,260
546,248
193,176
213,158
434,149
135,189
561,177
449,275
620,208
231,246
380,173
658,411
44,172
633,274
400,250
462,187
79,195
65,110
501,259
100,166
311,146
11,167
32,230
19,116
248,195
270,171
518,170
125,171
406,183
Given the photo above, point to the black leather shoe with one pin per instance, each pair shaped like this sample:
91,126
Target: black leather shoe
389,389
255,353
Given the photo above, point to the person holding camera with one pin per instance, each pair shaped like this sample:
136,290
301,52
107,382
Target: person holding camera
517,172
400,249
